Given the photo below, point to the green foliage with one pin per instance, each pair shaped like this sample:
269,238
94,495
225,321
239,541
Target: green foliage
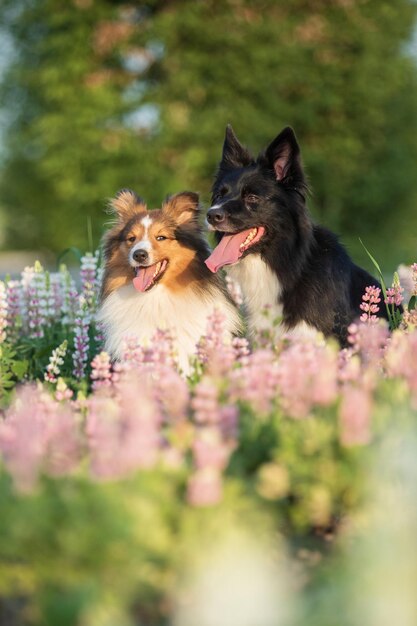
339,73
12,370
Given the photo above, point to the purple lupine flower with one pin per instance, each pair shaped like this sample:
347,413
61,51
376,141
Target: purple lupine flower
69,295
81,339
90,285
101,373
14,306
370,300
3,312
56,359
36,299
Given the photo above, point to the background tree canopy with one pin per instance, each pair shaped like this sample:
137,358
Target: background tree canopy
103,94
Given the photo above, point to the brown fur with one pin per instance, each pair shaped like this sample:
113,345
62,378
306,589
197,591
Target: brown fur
184,248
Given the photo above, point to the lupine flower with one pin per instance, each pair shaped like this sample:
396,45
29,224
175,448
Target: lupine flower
36,301
14,295
62,391
205,488
81,339
3,312
355,416
90,285
55,361
369,340
123,432
401,359
256,381
38,434
307,375
394,293
101,374
234,290
215,349
370,301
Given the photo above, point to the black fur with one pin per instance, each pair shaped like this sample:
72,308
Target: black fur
320,283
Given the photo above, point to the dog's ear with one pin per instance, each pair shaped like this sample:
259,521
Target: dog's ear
284,157
234,154
126,204
183,207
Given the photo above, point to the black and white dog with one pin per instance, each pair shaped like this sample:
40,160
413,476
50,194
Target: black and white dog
283,261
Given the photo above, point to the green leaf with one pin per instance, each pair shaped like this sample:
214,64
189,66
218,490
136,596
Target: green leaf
412,303
19,368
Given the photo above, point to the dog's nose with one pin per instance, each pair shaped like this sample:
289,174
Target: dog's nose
215,216
141,256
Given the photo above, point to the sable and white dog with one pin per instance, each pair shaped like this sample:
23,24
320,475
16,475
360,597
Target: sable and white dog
155,276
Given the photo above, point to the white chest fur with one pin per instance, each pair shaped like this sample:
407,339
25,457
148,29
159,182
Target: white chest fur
261,291
126,312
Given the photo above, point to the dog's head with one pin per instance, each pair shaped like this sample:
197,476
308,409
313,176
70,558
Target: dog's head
257,200
148,247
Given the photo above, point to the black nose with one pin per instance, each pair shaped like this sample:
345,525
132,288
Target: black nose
215,216
141,256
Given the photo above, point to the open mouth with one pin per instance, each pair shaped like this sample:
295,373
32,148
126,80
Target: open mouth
231,247
146,277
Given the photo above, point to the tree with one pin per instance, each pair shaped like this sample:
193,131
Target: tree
140,97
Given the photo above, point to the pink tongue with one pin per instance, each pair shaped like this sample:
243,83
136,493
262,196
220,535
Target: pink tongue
227,251
143,278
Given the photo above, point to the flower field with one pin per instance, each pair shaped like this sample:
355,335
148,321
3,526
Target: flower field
275,486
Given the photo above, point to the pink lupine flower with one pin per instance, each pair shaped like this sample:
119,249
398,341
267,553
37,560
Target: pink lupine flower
355,416
209,449
15,306
37,435
394,295
123,432
242,349
171,393
205,488
414,274
101,373
205,402
256,382
3,312
401,359
215,349
370,301
234,290
307,376
369,341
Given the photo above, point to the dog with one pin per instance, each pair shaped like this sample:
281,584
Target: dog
285,264
155,276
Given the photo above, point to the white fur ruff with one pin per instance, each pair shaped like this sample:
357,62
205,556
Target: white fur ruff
261,291
127,312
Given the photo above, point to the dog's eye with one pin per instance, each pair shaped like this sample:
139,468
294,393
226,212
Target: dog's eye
251,198
161,238
131,239
222,192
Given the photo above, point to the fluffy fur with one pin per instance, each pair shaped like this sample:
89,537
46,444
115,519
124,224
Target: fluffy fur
289,263
155,276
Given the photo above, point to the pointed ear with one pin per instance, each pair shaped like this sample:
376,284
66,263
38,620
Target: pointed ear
234,154
183,207
284,157
126,204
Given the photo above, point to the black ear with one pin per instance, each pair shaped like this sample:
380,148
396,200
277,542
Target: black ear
234,154
284,157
